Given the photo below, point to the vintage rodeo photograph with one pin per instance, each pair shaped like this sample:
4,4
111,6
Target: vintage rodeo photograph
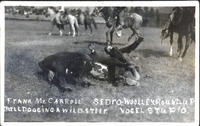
102,63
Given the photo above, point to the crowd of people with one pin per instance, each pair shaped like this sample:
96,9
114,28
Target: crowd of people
150,15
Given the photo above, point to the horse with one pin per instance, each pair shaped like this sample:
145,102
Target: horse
181,21
87,19
62,18
73,22
55,19
116,20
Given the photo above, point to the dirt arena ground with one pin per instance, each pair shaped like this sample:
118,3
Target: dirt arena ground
163,77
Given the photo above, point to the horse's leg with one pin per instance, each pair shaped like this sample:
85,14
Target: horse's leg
73,30
90,26
70,28
107,37
85,24
60,29
76,27
61,33
134,32
94,23
171,42
52,26
180,45
187,37
111,36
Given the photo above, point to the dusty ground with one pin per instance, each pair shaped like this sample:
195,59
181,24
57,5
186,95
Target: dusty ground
163,77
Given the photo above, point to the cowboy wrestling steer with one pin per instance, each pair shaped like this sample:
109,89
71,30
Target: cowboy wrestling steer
115,59
68,66
129,68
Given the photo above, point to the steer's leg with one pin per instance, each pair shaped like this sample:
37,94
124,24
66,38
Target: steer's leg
58,79
70,29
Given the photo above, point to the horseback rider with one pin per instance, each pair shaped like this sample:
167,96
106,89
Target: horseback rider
56,19
117,16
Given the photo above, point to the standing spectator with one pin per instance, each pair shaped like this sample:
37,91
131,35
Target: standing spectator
146,16
151,13
157,18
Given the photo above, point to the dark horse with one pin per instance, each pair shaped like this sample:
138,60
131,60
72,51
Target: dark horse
116,20
86,19
182,22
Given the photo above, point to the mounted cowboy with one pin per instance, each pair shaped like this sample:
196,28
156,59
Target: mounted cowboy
181,21
57,19
117,19
61,18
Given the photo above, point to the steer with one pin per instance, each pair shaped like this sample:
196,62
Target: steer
70,66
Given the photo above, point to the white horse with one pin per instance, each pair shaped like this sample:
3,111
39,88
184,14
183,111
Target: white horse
60,19
55,19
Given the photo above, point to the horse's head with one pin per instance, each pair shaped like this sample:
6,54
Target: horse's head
176,15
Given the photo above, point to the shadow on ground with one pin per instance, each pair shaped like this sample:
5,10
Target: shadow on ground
148,53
